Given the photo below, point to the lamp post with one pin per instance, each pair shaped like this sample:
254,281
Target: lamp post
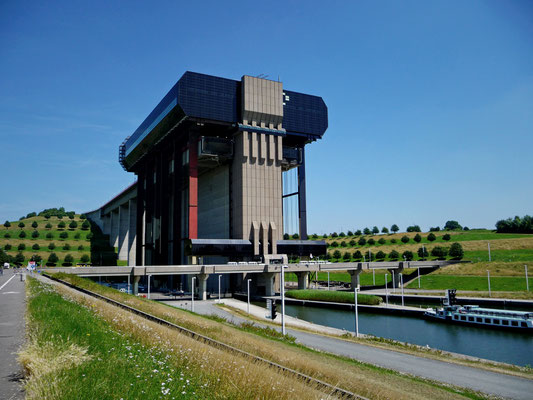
419,277
527,281
488,246
283,298
328,280
401,283
193,280
248,284
423,252
356,327
488,279
220,276
374,277
386,291
149,276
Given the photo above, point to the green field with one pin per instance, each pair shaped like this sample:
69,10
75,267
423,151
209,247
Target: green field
500,255
332,296
475,283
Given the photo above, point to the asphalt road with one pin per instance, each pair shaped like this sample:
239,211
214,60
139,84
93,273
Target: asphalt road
492,383
12,307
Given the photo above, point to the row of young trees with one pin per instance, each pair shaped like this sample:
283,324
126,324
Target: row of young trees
62,225
36,246
455,251
53,259
35,235
405,239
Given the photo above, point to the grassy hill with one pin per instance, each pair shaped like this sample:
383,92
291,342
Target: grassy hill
83,243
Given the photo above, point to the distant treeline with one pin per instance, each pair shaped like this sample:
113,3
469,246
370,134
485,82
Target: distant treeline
515,225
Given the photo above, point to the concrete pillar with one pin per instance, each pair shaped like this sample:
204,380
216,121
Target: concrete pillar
106,229
354,276
123,231
113,236
132,237
303,280
395,275
267,278
136,280
202,286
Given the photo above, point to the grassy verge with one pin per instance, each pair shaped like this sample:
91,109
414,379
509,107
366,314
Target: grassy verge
461,282
364,379
333,296
499,255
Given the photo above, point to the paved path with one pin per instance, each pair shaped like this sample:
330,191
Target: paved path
12,307
480,380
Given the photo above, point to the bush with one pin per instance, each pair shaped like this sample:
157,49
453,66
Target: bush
375,230
7,235
22,234
432,237
36,247
342,234
352,243
343,244
35,234
63,235
49,235
393,240
71,214
394,255
48,225
333,296
80,247
7,247
334,244
349,233
408,255
83,216
77,236
435,229
47,216
382,241
367,231
90,236
73,225
380,255
371,241
7,224
66,246
394,228
358,232
53,258
315,236
19,258
405,239
466,228
337,254
68,259
34,224
334,235
414,228
347,256
286,236
417,238
21,225
439,252
452,226
357,255
61,225
362,241
325,235
296,236
51,246
446,237
37,258
422,252
21,247
32,214
456,251
384,230
84,258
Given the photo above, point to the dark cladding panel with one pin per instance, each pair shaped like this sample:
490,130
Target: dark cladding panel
303,247
303,113
219,247
208,97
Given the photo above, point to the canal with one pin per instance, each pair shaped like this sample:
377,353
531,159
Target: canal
509,347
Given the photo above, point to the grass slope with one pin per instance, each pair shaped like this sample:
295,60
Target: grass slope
333,296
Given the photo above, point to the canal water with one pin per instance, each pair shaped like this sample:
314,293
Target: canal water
509,347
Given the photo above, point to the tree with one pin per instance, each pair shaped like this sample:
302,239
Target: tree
325,235
21,247
334,244
66,246
7,247
456,251
408,255
71,214
435,229
357,255
417,238
432,237
394,228
384,230
89,236
68,259
19,258
362,241
7,235
343,243
375,230
439,252
414,228
405,239
358,232
61,225
34,224
347,256
21,225
334,235
48,225
73,225
296,236
452,226
47,216
286,236
31,215
315,236
466,228
382,241
394,255
22,234
393,240
337,254
422,253
380,255
36,257
84,258
80,247
446,237
77,236
367,231
52,258
83,216
49,235
7,224
60,217
371,241
352,243
63,235
35,234
342,234
51,246
349,233
36,247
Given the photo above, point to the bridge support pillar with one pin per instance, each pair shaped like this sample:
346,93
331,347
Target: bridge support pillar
395,275
303,280
135,288
268,280
354,276
202,286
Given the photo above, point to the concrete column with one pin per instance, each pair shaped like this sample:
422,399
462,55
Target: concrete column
136,280
113,235
303,280
202,286
354,276
132,237
123,231
267,278
395,275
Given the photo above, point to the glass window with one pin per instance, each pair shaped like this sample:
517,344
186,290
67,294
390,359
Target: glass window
505,322
487,320
471,319
514,323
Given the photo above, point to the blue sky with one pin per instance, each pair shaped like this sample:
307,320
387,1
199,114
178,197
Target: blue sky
430,103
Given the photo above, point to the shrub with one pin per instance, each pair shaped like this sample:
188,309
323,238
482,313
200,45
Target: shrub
7,235
446,237
60,217
86,225
375,230
358,232
21,247
51,246
84,258
32,214
80,247
408,255
7,247
343,244
63,235
435,229
77,236
342,234
393,240
357,255
466,228
48,225
337,254
452,226
334,235
68,259
371,241
19,258
286,236
73,225
315,236
34,224
334,244
22,234
394,228
325,235
37,258
71,215
90,236
47,216
405,239
439,252
295,236
7,224
456,251
66,246
349,233
36,247
21,225
422,252
380,255
432,237
83,216
49,235
53,258
61,225
382,241
384,230
367,231
352,243
347,256
35,234
394,255
414,228
417,238
362,241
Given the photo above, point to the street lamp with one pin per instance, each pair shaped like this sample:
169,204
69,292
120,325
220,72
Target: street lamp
283,298
149,276
193,280
220,276
386,291
356,322
401,283
248,284
328,278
